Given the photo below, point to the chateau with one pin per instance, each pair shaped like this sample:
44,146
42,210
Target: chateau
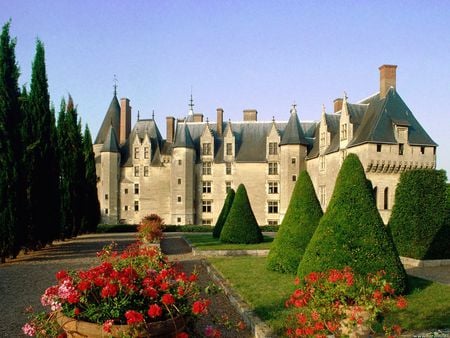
185,177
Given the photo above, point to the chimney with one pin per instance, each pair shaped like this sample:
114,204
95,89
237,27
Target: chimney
125,120
170,128
387,79
338,104
198,117
219,121
250,115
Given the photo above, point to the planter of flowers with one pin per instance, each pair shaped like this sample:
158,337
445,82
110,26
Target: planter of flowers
150,230
134,293
339,303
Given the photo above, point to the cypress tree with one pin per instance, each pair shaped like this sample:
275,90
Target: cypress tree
42,175
352,233
11,185
223,214
240,225
299,223
91,208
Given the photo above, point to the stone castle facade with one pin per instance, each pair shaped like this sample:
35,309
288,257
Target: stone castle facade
185,177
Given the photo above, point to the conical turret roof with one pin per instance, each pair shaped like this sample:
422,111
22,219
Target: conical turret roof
183,137
110,145
112,117
293,134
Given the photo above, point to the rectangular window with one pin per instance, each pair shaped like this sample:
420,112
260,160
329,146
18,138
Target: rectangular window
126,191
106,196
273,187
136,153
136,189
136,171
126,208
178,219
293,160
206,221
422,150
272,207
227,168
106,211
206,169
322,139
179,181
206,206
273,148
401,148
272,222
273,168
146,152
179,199
344,131
136,205
227,187
378,148
146,170
322,195
206,187
179,162
322,163
294,178
229,149
206,149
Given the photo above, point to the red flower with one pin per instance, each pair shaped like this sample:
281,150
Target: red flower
168,299
110,290
312,277
199,307
150,292
76,311
241,325
401,302
61,275
192,278
388,288
301,318
154,311
182,335
134,317
108,325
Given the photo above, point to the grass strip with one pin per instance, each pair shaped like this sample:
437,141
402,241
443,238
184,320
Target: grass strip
207,242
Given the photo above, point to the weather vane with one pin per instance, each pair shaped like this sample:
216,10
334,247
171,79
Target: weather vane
115,84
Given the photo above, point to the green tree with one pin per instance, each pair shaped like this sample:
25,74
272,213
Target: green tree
352,233
11,183
299,223
91,215
240,225
41,158
419,222
224,213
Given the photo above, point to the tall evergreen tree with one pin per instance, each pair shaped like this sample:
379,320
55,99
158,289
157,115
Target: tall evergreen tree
91,208
42,162
11,187
223,214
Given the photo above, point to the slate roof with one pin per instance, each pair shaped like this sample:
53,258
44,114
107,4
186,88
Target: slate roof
112,117
111,144
293,133
183,137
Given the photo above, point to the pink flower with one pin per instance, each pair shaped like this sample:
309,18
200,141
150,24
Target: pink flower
29,329
108,325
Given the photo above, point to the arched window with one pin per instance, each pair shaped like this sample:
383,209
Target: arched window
386,198
375,196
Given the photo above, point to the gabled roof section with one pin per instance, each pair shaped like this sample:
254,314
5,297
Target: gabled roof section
183,137
378,123
112,117
293,133
110,145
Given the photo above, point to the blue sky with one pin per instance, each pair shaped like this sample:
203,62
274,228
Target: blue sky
238,55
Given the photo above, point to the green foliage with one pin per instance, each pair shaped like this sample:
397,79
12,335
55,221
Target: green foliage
240,225
419,221
352,233
299,223
11,180
188,228
224,213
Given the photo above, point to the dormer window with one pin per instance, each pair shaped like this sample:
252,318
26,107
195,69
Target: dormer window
146,153
273,148
344,131
206,149
229,150
136,153
323,137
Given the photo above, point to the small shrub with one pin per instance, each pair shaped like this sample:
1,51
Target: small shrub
150,229
223,214
420,217
352,233
299,223
241,226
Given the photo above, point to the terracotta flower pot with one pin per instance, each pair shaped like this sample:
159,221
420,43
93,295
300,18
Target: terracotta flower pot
81,329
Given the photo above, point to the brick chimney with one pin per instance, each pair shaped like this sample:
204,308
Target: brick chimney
219,121
125,120
387,79
250,115
198,117
170,128
338,104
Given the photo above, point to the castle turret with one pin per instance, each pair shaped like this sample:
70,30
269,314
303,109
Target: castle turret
293,150
183,177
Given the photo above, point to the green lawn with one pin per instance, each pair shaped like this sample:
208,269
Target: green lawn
266,291
208,242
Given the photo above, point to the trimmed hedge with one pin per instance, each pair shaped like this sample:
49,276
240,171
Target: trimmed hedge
420,217
188,228
241,226
299,223
224,213
352,233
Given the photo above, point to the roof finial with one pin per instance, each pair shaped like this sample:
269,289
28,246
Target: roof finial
345,95
323,109
273,119
191,104
294,108
153,114
115,84
138,115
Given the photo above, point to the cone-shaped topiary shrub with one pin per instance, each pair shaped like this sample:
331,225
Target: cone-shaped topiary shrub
240,225
419,223
352,233
299,223
223,214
